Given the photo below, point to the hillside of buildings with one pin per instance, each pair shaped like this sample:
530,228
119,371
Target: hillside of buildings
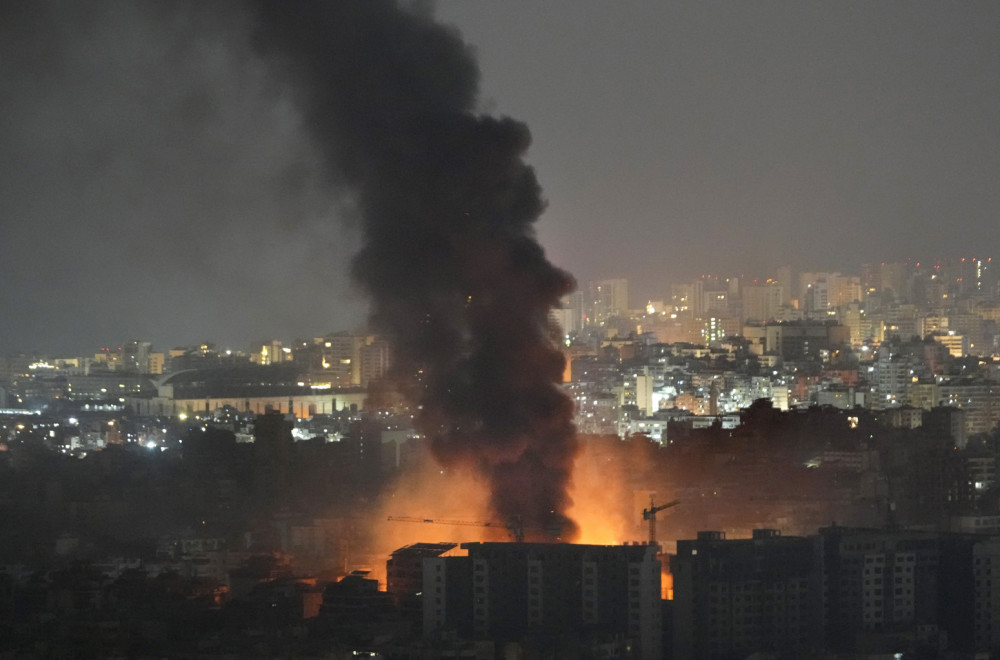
213,501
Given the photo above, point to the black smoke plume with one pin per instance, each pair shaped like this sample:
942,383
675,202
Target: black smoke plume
456,277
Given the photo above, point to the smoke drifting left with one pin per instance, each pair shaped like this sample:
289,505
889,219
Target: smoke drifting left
145,151
165,142
447,204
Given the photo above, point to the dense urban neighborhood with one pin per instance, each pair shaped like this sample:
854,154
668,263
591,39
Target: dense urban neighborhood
821,454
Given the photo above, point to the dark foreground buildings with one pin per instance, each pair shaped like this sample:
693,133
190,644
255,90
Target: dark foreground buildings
733,598
844,593
563,598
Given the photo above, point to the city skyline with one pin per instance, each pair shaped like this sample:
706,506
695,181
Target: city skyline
161,187
174,174
980,275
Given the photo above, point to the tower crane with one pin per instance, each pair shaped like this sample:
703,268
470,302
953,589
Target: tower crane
650,515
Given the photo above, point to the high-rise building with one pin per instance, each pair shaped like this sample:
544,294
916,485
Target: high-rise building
404,570
637,390
135,357
820,292
806,280
894,371
803,339
574,594
682,298
892,278
971,276
272,452
844,289
347,359
957,345
986,617
608,298
979,399
569,316
376,359
270,352
853,317
738,597
575,303
901,320
156,363
783,278
716,301
846,591
881,582
761,302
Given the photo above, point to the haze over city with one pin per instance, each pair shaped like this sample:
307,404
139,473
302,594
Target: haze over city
379,328
157,181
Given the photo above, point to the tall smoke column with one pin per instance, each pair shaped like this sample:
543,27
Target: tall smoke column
457,280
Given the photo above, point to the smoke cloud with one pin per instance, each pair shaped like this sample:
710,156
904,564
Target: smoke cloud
449,258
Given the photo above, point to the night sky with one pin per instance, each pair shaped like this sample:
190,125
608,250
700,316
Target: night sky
156,181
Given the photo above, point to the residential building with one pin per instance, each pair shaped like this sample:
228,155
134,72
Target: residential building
573,594
740,597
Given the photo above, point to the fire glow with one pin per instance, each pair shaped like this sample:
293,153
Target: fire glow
605,508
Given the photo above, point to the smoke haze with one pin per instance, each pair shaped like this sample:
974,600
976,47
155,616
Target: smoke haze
145,155
456,277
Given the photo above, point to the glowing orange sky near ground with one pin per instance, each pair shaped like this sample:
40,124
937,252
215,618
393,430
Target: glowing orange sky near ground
608,511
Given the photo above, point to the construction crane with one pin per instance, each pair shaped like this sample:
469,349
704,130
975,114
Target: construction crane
515,530
650,515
